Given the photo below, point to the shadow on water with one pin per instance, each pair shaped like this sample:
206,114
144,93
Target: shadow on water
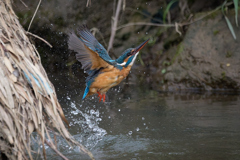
138,123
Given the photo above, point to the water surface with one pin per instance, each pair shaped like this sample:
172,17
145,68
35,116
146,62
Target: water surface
139,123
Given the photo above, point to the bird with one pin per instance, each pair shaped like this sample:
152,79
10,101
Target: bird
103,72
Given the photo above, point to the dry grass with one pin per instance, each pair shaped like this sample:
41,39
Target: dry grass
25,106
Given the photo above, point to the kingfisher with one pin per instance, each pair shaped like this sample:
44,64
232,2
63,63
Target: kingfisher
103,72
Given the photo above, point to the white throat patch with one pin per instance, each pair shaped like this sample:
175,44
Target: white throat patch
122,64
134,58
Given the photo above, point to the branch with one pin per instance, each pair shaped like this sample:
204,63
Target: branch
34,35
176,25
162,25
88,3
145,23
114,26
34,14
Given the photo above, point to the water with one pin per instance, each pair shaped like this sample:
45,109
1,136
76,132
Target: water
138,123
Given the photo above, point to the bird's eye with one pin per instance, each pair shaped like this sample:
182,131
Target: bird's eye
130,53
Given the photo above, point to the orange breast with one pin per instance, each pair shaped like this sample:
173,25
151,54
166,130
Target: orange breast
109,78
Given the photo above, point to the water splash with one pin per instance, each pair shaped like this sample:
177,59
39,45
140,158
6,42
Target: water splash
87,121
88,134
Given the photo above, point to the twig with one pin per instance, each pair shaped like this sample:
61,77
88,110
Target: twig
124,5
114,26
34,35
34,14
170,25
145,23
177,30
24,4
200,18
54,148
88,3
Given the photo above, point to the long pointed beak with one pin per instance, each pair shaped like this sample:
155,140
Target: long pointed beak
137,49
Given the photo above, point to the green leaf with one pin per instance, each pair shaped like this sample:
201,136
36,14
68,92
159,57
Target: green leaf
236,11
163,71
230,27
223,7
167,9
228,22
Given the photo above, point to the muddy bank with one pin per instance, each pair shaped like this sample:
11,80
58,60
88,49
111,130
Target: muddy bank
205,56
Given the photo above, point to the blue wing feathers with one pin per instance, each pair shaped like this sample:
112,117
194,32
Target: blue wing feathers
89,40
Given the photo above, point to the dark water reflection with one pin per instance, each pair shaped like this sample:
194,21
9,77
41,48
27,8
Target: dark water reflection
139,123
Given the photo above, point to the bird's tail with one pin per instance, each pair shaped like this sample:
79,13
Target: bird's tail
85,92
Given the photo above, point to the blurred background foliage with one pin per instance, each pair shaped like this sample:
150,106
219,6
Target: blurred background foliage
166,23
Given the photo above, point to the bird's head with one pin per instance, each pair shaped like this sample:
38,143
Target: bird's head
128,57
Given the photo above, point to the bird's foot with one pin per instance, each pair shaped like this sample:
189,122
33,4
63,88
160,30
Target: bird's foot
104,97
101,96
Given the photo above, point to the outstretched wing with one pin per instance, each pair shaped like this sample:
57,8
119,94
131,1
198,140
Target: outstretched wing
92,43
86,52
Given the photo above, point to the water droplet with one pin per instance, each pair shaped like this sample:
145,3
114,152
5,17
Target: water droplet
137,8
74,112
119,110
146,32
143,118
137,129
92,111
130,133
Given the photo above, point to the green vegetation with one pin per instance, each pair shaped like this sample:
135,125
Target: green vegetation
215,32
179,51
229,54
226,18
163,71
168,9
236,11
